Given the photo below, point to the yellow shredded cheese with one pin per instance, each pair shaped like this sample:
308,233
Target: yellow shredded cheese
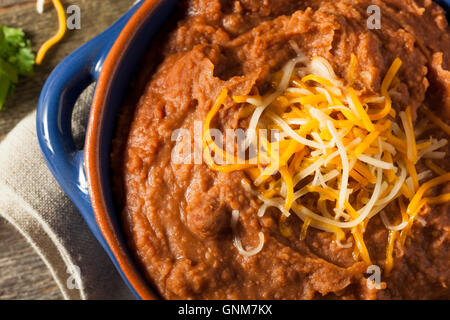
207,141
289,187
354,101
365,144
58,36
390,251
445,127
413,206
352,69
430,164
318,79
409,133
334,148
305,227
384,90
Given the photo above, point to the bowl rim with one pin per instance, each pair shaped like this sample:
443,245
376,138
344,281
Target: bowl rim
92,154
92,142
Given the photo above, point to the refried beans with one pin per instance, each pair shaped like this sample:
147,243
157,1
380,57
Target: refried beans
178,217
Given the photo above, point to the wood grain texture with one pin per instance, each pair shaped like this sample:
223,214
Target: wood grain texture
4,4
96,16
23,275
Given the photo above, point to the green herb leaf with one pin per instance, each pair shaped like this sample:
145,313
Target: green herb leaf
5,85
25,62
8,71
16,59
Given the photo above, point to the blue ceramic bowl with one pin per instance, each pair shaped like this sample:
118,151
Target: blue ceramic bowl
54,114
111,59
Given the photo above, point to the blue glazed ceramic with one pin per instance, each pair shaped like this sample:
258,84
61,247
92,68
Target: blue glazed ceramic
60,93
57,101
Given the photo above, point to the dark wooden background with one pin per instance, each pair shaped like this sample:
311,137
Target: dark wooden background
23,275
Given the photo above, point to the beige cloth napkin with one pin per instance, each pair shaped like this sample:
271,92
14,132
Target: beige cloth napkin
32,201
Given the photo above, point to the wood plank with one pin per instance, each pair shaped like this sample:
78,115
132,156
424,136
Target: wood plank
96,16
9,3
23,275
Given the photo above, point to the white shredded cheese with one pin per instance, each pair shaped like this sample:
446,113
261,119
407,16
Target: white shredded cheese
237,242
40,6
389,226
433,147
395,190
292,133
287,73
376,162
345,164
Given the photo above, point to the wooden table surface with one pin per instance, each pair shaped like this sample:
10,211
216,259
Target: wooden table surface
23,275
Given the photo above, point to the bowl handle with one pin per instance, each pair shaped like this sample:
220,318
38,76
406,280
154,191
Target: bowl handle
54,115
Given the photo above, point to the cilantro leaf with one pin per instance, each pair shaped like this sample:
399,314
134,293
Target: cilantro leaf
25,62
8,71
5,85
16,59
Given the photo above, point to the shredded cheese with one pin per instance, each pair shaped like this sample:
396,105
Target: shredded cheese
305,227
384,90
40,6
365,144
58,36
208,143
352,69
289,187
437,170
413,206
445,127
376,162
334,148
345,164
357,107
389,252
237,241
429,151
410,138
